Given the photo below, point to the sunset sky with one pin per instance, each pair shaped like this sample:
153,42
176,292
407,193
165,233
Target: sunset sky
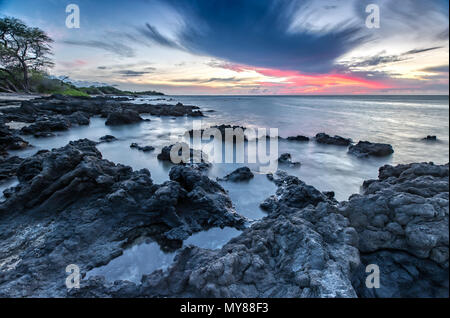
248,46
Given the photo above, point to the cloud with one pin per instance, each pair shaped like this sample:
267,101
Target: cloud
381,59
257,33
113,47
153,34
437,69
131,73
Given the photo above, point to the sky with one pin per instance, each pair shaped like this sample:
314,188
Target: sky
246,47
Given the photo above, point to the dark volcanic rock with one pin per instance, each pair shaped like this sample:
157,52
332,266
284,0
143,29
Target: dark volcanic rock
73,207
237,131
308,245
108,138
46,127
240,174
402,223
323,138
293,252
298,138
123,117
140,148
185,154
430,138
285,159
10,141
9,166
366,149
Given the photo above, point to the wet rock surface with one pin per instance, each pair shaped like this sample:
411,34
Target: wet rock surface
286,159
73,207
299,138
240,174
312,246
58,113
182,154
9,140
365,149
323,138
430,138
142,148
123,117
293,252
402,225
8,167
108,138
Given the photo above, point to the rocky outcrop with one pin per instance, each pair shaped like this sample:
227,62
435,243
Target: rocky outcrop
292,192
236,132
10,141
58,113
240,174
142,148
430,138
108,138
293,252
323,138
298,138
365,149
9,166
73,207
286,159
123,117
402,224
185,154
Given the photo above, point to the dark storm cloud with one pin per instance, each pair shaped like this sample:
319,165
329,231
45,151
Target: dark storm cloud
257,33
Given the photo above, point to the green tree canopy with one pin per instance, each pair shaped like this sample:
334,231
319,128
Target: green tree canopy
23,50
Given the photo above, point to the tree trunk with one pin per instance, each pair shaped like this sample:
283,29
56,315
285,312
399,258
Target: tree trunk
26,81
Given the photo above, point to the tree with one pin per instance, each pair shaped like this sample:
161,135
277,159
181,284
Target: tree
23,50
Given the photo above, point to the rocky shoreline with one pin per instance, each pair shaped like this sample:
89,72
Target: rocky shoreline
71,206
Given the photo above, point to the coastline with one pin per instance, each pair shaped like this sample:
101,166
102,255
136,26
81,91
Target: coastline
83,187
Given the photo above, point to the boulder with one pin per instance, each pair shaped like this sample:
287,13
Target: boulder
123,117
323,138
402,225
298,138
108,138
240,174
285,159
366,149
140,148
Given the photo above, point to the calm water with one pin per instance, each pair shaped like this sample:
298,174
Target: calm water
399,120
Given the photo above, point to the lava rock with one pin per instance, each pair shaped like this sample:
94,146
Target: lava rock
285,159
144,149
323,138
73,207
240,174
186,154
123,117
9,166
430,138
366,149
402,225
298,138
108,138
